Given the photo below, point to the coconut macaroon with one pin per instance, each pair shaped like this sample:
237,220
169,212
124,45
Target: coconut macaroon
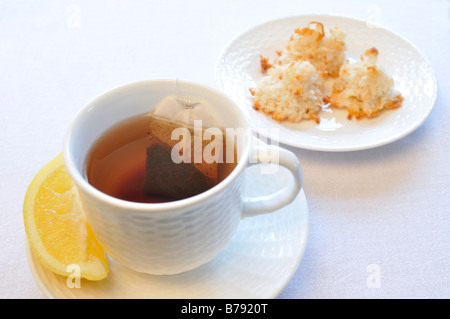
364,89
323,48
290,92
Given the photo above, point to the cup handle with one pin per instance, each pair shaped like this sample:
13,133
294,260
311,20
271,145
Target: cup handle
263,153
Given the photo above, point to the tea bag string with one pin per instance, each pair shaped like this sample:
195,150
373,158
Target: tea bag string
188,106
186,103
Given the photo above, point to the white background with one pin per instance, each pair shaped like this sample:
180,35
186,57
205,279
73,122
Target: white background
383,212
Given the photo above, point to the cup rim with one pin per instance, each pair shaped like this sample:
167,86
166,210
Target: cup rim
84,185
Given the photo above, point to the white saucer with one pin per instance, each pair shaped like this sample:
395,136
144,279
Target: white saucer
238,69
258,262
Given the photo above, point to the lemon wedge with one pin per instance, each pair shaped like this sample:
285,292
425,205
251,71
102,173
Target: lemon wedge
56,226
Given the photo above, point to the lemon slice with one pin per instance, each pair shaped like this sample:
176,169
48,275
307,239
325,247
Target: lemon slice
56,225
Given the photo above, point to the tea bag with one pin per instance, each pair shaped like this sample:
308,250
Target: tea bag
188,146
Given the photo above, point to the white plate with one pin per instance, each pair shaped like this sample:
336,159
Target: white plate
258,262
238,69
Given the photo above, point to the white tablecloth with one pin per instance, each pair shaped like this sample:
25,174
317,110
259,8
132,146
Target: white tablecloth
379,219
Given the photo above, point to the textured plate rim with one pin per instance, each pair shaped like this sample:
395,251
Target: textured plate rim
34,263
309,146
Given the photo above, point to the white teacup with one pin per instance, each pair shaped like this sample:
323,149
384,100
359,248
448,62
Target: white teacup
173,237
